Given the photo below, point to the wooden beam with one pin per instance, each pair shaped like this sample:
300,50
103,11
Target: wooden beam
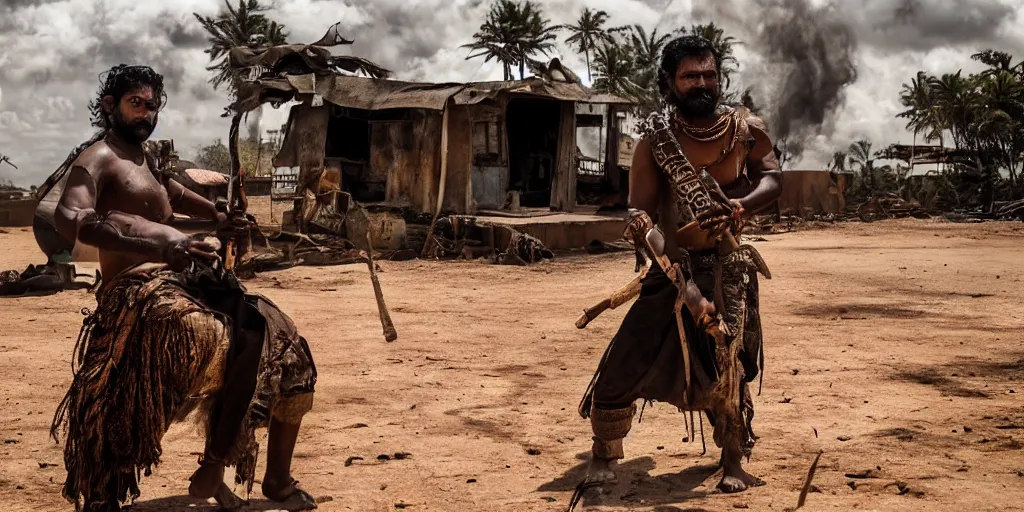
563,183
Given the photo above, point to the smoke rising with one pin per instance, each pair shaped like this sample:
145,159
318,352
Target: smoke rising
806,61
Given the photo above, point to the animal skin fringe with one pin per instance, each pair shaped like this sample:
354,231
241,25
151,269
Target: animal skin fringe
134,360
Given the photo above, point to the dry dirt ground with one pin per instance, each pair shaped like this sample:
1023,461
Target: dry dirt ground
893,347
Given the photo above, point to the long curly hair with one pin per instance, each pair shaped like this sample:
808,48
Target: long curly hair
120,80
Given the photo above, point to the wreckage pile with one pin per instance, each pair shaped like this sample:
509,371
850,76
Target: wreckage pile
462,236
41,279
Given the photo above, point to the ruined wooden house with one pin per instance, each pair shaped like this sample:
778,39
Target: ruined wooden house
478,146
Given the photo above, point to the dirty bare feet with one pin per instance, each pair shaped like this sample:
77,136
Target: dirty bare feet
734,478
288,495
206,480
600,471
227,500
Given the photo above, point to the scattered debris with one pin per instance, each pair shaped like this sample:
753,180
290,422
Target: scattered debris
867,473
532,451
402,455
462,236
51,278
44,465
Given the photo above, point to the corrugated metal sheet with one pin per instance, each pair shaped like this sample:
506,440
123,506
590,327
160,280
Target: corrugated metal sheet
477,92
206,178
374,94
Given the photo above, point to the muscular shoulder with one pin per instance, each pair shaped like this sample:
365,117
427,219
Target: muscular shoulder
759,140
754,122
98,160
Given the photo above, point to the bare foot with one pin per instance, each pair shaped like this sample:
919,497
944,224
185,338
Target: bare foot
288,495
206,481
600,472
735,479
227,500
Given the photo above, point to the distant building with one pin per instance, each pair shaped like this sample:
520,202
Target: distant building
387,141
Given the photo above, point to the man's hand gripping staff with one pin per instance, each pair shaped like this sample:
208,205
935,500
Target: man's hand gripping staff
649,242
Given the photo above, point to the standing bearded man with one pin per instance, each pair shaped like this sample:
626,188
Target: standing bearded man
170,334
649,356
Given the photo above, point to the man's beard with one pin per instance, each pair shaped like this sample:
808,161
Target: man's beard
697,103
132,132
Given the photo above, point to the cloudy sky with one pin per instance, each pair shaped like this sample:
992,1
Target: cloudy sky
51,53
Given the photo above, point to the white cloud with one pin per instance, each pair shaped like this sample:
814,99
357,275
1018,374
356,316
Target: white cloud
51,53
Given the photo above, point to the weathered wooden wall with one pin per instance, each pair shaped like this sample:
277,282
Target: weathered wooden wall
563,184
810,193
309,129
489,179
458,189
409,152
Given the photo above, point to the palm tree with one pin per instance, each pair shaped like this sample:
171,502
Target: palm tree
538,37
723,45
615,68
996,61
511,34
861,158
241,25
588,33
644,49
922,113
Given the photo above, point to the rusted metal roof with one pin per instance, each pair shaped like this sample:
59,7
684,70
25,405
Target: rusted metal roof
378,94
564,91
206,178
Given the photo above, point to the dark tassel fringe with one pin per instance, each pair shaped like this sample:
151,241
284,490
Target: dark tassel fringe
130,377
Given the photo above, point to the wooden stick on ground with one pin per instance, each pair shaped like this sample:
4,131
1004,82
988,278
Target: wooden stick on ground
807,483
390,334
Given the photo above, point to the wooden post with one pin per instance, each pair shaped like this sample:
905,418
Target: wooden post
428,245
563,184
611,156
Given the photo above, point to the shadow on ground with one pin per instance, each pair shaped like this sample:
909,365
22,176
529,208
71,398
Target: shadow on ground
178,503
953,378
635,483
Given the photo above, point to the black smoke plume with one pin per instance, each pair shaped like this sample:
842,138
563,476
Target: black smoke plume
807,60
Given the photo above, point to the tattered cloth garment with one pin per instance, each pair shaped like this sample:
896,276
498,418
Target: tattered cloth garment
160,345
645,361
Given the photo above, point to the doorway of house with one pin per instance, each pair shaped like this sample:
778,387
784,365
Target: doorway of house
532,126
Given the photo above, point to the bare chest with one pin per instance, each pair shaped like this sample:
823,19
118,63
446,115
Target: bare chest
723,158
133,189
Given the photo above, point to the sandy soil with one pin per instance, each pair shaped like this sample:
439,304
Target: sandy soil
894,346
